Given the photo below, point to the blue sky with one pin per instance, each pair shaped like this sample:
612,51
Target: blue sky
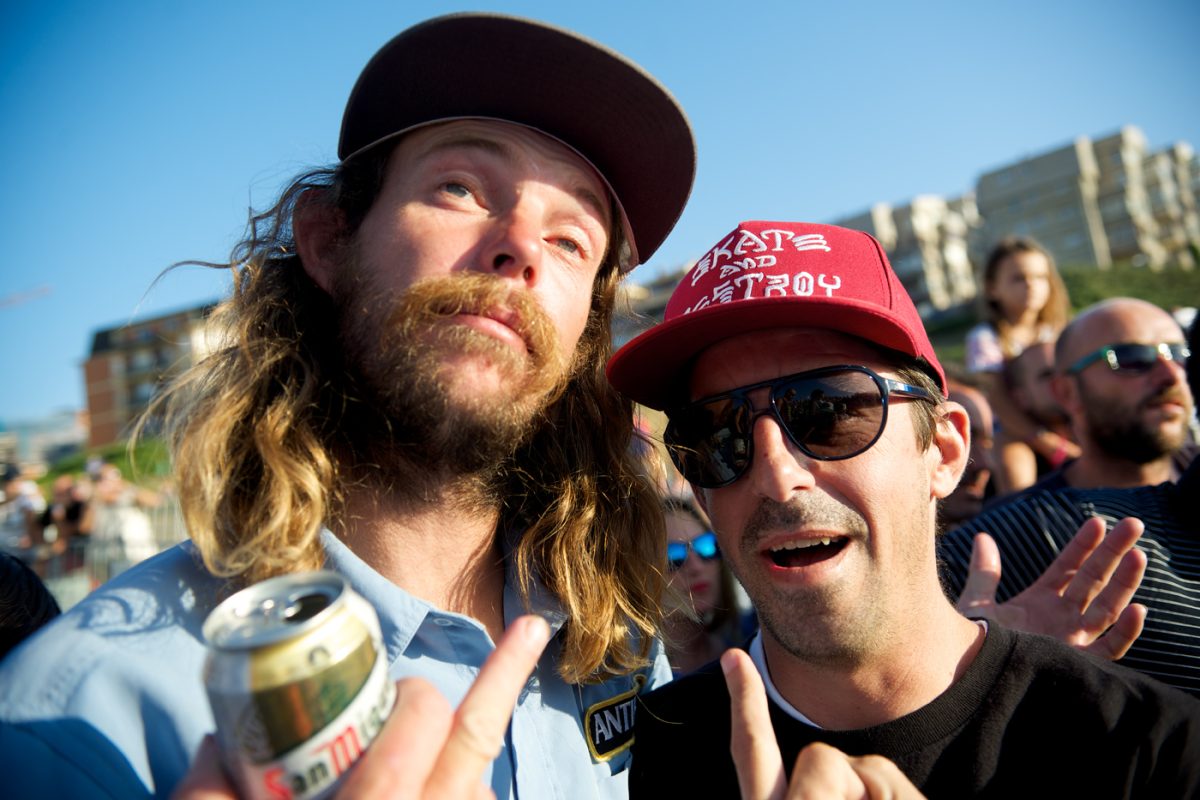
138,132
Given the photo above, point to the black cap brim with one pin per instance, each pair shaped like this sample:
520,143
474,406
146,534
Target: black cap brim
603,106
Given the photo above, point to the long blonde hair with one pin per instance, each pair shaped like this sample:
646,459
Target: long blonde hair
257,426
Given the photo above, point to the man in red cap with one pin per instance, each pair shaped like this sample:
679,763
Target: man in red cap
806,406
411,394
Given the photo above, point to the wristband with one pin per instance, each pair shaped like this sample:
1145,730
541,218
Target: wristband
1060,453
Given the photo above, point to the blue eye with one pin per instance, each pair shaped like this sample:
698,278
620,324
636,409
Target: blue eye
569,245
456,189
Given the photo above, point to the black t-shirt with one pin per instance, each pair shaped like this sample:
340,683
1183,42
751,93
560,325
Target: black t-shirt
1029,718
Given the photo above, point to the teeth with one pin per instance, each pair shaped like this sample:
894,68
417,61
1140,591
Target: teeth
802,544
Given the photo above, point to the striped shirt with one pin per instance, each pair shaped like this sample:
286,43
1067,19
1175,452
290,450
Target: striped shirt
1032,529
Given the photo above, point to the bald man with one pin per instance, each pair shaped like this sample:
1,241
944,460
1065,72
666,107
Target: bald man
1120,377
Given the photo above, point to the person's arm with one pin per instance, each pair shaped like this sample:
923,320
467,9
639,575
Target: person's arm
1019,426
1083,597
820,771
426,748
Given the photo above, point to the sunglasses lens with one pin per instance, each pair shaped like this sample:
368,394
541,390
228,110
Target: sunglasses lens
830,416
705,545
709,441
1135,357
834,416
676,555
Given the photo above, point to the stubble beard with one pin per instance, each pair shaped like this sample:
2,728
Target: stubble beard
816,625
1121,432
429,428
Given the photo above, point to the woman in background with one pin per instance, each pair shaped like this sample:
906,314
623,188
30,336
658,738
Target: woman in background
1025,302
703,614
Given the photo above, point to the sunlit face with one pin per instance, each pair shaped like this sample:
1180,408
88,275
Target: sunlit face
1021,284
463,295
1136,416
495,199
831,552
698,579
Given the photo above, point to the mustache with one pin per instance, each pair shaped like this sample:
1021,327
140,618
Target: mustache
817,511
479,294
1170,394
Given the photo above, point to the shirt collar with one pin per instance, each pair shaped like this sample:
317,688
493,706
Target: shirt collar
401,614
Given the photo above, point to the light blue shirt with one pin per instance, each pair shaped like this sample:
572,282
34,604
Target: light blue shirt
108,700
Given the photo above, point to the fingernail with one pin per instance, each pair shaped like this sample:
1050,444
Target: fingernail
534,630
728,662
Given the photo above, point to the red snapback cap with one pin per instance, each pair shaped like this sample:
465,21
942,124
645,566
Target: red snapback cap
772,275
606,108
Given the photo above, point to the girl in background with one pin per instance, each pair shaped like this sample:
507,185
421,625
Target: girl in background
703,616
1025,302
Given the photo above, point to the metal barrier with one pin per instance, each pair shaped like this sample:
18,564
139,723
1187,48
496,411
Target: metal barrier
90,561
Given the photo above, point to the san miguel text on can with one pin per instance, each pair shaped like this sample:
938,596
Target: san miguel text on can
298,681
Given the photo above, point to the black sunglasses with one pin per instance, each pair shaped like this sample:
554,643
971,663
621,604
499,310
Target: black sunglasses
704,545
831,414
1135,358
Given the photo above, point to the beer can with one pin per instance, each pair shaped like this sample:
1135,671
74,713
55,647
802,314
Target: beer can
297,677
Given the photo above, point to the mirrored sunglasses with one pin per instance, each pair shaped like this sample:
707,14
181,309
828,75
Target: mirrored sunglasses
704,546
1132,358
830,414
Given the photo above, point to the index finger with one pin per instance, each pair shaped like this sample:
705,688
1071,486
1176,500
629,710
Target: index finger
481,719
752,738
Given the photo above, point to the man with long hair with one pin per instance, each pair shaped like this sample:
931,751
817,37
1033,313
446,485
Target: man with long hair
412,393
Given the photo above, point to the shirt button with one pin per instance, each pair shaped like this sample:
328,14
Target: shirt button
445,623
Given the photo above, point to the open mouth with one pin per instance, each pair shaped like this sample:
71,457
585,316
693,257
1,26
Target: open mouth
806,552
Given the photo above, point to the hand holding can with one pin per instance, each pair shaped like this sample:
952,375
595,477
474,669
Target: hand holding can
425,747
297,677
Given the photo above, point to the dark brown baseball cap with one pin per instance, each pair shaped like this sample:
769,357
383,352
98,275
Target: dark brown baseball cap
613,113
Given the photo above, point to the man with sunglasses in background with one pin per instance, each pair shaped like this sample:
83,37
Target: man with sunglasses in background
1127,398
1120,379
805,406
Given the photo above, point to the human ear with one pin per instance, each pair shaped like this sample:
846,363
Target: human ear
950,449
318,229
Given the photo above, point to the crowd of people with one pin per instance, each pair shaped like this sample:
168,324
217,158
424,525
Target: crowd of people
419,393
83,529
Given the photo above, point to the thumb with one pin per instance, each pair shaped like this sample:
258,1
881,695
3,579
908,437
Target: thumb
983,576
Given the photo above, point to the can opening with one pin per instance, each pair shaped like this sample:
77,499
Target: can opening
305,607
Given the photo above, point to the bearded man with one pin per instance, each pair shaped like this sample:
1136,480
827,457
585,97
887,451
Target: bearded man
1120,379
412,394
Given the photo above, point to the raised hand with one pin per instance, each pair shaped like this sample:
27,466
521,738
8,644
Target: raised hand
1083,597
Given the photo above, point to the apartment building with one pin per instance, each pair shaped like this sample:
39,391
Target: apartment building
1170,178
1052,197
128,363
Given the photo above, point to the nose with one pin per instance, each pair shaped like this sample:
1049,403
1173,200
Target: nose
1168,371
692,563
779,469
513,248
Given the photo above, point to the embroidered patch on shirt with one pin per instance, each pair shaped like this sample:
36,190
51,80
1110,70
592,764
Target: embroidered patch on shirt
609,723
